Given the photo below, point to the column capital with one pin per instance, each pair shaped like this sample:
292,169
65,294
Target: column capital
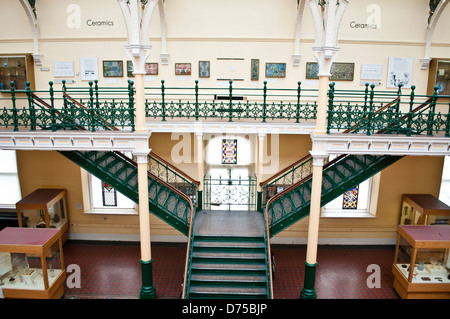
318,158
138,54
141,155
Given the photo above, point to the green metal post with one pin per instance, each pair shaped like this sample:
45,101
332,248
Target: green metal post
299,90
199,200
330,106
259,207
97,105
370,113
52,104
31,107
264,101
163,103
230,105
91,106
309,290
148,290
131,103
410,113
196,100
447,126
432,111
13,99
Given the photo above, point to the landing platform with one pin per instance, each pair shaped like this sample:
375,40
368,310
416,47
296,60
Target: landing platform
229,223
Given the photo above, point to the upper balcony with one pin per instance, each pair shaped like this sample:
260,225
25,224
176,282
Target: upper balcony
368,112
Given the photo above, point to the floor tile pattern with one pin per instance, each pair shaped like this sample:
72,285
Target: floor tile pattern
113,271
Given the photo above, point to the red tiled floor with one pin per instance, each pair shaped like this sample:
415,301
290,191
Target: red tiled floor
114,270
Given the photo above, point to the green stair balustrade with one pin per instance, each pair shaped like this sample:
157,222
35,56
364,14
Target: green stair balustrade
120,172
339,175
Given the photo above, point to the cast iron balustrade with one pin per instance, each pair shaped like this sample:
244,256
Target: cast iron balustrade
374,112
231,103
174,177
230,193
90,108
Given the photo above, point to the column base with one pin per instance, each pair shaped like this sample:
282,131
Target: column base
308,290
148,290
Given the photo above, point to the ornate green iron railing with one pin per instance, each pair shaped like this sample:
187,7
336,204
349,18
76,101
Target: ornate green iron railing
230,193
285,178
173,176
339,175
231,103
410,114
90,108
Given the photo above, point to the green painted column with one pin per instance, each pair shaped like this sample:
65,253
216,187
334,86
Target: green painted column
309,290
148,290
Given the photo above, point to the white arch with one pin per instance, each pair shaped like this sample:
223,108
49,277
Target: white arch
137,18
327,20
34,24
296,56
425,62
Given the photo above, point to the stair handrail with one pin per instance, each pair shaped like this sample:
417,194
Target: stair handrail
174,168
417,109
188,255
288,189
129,160
48,106
287,168
269,252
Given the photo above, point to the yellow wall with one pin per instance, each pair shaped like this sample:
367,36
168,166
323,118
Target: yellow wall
206,30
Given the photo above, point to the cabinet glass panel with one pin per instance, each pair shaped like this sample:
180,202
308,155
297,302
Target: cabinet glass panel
56,216
431,264
24,270
443,77
12,68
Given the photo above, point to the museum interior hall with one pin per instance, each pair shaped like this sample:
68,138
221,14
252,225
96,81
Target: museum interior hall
229,150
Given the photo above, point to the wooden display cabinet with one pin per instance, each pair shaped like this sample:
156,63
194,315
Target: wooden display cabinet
421,265
45,208
31,263
423,209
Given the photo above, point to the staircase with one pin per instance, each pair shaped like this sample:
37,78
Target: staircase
120,172
339,175
228,256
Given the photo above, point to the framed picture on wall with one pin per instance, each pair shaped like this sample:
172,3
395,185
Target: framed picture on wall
151,68
182,69
130,69
112,69
339,71
275,70
203,69
254,71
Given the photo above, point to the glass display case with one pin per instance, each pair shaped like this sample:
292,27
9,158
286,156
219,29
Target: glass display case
31,263
44,208
422,262
18,69
423,209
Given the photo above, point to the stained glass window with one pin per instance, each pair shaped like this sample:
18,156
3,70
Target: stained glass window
350,200
229,151
109,195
